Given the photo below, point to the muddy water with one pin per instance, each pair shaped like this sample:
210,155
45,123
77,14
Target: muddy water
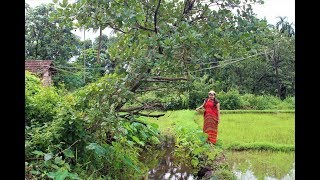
163,165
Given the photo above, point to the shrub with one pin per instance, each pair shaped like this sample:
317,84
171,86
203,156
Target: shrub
40,101
287,103
230,100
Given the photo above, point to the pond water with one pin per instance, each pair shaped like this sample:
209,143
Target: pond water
246,165
264,165
163,165
249,175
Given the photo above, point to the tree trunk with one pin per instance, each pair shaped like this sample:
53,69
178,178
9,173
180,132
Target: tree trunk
99,46
275,63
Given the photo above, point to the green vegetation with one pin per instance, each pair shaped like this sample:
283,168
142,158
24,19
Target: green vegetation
161,56
74,142
190,141
256,134
260,131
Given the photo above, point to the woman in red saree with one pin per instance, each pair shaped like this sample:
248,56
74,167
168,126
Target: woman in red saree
211,116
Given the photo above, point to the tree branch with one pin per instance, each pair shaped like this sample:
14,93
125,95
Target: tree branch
155,17
197,18
188,6
165,79
151,115
135,110
149,89
131,109
142,27
116,28
127,118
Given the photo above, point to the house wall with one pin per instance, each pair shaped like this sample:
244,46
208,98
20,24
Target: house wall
46,78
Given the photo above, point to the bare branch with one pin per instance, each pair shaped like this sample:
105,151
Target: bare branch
188,6
155,17
168,78
150,89
135,110
151,115
116,28
139,26
127,118
131,109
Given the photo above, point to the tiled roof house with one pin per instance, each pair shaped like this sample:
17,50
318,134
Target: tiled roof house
42,68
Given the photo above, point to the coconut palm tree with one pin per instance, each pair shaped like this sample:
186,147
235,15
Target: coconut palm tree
284,26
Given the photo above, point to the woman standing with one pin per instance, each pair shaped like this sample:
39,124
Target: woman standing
211,116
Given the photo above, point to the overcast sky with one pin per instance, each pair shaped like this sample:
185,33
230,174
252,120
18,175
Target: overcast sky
270,10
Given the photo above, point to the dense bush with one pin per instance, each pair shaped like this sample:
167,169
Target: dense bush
41,102
77,135
230,100
233,100
264,102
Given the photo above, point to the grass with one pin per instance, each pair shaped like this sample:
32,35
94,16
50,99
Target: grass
238,131
168,122
274,131
255,111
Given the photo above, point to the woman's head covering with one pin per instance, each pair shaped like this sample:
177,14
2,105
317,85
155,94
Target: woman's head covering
212,92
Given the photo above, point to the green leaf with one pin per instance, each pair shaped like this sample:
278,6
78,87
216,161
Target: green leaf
141,143
35,172
154,125
39,153
65,2
128,161
59,175
197,150
68,153
55,166
211,156
131,143
73,176
99,150
144,135
58,160
136,139
194,162
47,156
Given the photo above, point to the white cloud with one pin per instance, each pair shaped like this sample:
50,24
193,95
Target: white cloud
271,9
89,34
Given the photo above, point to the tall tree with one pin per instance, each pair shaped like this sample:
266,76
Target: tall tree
284,26
44,39
165,41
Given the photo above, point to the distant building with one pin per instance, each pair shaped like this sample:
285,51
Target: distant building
42,68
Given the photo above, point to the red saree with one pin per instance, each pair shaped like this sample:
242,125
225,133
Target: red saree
210,125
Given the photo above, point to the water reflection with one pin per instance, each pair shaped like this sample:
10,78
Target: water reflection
249,175
264,165
166,167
